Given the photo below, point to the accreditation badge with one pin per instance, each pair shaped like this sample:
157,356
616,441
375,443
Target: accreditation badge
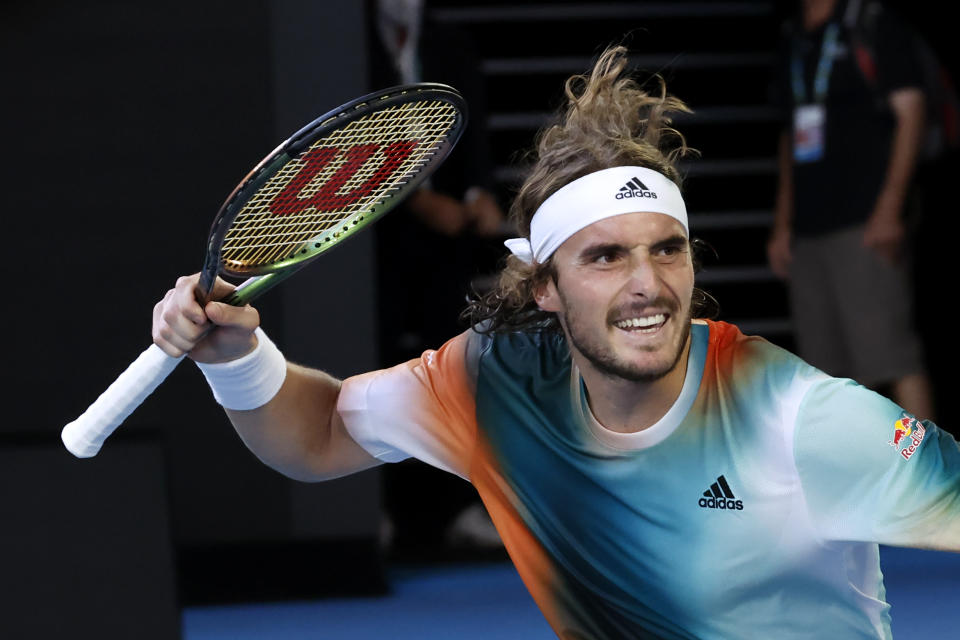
809,123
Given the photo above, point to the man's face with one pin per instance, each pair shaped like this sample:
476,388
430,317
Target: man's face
623,294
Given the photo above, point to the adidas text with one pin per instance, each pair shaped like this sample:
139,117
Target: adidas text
635,193
721,503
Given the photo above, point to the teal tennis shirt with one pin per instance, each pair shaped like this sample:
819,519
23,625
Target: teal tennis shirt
752,509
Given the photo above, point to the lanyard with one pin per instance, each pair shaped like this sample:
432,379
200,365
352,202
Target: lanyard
824,67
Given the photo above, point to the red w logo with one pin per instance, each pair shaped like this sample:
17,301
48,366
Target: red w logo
327,198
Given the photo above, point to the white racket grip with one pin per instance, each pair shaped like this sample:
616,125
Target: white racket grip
84,436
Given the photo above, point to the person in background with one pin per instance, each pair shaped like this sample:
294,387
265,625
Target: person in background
428,253
847,158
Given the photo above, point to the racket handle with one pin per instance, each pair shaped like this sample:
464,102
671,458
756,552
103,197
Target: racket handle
84,436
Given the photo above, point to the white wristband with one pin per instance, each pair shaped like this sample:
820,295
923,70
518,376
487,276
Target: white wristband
248,382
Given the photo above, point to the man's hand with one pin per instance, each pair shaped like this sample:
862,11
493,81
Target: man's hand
484,213
440,212
215,333
479,212
884,231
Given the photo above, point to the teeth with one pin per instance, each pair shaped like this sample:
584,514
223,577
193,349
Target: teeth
648,321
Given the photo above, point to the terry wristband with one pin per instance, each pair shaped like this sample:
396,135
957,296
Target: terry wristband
248,382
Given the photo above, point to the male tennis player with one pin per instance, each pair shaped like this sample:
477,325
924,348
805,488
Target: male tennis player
650,475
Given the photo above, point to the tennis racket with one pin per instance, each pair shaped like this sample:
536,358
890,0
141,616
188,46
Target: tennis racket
325,183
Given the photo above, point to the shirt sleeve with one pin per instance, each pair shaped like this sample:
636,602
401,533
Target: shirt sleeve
424,408
898,64
871,472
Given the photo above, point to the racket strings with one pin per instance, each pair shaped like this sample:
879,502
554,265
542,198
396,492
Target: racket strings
330,186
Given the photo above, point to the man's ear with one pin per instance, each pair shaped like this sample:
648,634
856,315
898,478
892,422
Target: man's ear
547,297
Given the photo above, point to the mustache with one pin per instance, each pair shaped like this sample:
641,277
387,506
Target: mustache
642,308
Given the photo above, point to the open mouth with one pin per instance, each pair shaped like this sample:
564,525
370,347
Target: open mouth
643,324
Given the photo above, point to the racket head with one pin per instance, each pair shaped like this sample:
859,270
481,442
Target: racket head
333,178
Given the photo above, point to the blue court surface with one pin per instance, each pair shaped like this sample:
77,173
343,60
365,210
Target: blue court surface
489,601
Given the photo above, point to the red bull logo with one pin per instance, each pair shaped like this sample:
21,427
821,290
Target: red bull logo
901,429
908,433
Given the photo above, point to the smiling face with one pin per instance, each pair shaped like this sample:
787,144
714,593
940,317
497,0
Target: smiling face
623,295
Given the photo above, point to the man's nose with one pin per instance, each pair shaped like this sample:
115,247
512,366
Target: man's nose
644,277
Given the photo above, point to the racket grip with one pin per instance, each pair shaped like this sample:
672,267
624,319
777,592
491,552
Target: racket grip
84,436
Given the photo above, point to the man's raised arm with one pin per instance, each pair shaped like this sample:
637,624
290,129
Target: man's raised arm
285,413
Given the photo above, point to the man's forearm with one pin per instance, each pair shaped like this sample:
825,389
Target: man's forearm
299,432
783,207
908,108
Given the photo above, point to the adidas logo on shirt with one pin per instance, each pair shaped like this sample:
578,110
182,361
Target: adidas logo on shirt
720,496
635,189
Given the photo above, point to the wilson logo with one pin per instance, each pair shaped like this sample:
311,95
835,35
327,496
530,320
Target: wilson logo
720,496
327,196
635,189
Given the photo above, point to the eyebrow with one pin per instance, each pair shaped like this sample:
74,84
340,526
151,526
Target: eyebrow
669,242
605,248
594,250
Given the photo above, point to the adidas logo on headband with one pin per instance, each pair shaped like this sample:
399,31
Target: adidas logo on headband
635,189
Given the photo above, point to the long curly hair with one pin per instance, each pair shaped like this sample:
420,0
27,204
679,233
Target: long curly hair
608,121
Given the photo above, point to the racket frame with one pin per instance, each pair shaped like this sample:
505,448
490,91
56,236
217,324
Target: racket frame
267,276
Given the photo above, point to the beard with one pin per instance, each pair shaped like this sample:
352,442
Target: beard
601,354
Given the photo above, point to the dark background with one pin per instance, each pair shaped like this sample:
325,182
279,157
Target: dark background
124,126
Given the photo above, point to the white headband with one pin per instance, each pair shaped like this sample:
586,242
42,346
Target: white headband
595,196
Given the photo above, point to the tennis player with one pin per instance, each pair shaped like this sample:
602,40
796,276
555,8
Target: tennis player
651,475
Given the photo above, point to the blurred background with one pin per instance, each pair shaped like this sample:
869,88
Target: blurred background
125,126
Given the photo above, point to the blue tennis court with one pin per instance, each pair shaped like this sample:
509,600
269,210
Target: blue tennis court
489,601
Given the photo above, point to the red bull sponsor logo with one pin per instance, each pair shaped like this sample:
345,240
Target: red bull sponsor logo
908,433
902,428
915,439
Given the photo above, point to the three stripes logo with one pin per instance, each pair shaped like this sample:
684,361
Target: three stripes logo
635,189
720,496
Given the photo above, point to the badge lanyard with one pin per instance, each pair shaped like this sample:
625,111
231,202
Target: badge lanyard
809,118
824,67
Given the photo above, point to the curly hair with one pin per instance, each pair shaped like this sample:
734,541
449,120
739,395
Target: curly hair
608,121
